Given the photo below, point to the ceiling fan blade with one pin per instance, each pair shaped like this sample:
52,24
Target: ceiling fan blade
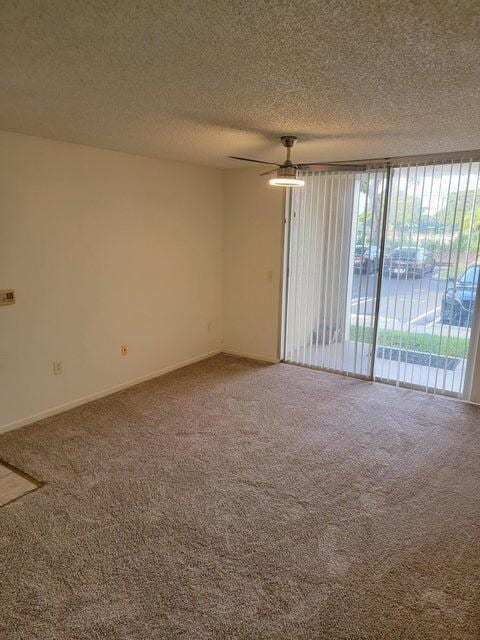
317,166
265,173
252,160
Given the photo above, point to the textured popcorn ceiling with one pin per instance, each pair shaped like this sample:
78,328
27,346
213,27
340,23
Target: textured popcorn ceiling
197,80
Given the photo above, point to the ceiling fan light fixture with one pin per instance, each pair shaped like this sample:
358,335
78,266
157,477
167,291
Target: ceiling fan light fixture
286,182
286,177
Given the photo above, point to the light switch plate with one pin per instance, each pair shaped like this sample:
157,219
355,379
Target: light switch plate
57,368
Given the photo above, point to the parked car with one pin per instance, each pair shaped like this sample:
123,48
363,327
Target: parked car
459,298
365,259
404,262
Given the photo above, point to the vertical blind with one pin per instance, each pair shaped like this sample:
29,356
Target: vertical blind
404,315
323,328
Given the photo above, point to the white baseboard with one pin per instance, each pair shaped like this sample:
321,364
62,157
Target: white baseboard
100,394
250,356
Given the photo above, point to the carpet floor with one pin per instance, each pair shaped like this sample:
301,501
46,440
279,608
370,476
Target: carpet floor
234,499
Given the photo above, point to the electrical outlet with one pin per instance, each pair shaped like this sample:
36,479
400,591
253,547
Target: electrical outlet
269,276
209,326
57,367
124,349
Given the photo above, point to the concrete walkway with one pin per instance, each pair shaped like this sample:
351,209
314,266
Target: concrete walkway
352,357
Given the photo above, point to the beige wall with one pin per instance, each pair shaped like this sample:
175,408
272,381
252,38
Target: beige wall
475,392
102,248
253,227
472,375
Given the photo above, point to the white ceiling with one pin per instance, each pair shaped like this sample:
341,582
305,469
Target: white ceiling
196,80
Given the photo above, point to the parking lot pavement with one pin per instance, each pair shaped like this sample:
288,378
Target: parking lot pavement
414,301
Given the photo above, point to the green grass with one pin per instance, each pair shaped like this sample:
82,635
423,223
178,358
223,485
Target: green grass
437,345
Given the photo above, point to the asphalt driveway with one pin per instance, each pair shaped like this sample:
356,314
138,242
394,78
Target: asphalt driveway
414,300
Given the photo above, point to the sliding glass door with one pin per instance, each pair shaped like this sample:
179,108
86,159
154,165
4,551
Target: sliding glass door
383,273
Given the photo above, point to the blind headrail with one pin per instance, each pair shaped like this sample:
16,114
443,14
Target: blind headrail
427,158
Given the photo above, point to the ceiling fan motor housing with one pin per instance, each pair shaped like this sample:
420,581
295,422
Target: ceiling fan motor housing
289,171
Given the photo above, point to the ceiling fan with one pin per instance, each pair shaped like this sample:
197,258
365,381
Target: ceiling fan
287,173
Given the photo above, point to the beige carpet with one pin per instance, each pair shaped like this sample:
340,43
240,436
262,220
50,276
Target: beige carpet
234,499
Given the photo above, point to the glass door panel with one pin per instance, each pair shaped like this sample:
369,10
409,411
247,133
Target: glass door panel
334,238
430,276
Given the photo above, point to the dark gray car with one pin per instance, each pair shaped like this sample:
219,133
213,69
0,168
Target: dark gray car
365,259
405,262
